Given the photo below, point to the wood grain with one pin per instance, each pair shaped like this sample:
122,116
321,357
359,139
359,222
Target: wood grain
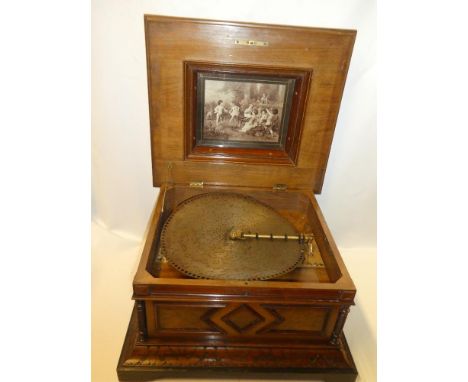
172,41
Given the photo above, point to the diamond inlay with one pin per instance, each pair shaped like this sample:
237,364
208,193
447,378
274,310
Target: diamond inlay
242,318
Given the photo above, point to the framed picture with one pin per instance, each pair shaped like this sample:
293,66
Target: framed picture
244,113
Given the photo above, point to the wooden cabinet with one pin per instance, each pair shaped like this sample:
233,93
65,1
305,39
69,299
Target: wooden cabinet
289,324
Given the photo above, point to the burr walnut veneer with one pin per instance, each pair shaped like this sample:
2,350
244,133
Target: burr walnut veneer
289,325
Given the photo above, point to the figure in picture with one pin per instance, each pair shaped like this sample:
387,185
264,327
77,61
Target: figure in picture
219,111
263,116
248,113
251,123
234,112
272,121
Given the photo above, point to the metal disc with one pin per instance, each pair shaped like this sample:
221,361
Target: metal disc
195,239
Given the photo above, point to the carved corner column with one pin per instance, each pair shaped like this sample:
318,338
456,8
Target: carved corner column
141,314
339,325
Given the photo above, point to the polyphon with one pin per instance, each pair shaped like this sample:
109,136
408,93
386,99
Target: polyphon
240,272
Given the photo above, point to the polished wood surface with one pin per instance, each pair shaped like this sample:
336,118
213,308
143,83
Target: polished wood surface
172,41
141,361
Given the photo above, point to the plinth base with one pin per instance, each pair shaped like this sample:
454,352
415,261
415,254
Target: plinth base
140,362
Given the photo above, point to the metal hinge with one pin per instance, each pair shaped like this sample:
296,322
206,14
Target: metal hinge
196,184
280,187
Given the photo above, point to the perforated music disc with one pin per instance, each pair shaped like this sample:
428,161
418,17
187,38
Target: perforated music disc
195,239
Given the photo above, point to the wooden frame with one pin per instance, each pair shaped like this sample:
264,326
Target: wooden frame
295,83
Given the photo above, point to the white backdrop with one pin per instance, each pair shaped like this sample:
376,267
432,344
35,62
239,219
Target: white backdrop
122,190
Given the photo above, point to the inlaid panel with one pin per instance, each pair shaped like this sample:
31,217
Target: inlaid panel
241,320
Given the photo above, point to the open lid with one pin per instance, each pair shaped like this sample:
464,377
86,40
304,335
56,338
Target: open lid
243,104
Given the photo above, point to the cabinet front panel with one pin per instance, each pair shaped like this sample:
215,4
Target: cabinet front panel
240,320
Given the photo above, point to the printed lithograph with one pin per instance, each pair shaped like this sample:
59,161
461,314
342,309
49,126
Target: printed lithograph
243,111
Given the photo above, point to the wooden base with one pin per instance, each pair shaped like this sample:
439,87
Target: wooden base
140,362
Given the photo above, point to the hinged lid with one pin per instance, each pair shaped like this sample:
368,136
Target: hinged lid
281,89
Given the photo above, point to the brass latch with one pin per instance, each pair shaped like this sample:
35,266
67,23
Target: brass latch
280,187
251,42
196,184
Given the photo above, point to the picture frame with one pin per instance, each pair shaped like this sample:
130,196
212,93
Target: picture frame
244,113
